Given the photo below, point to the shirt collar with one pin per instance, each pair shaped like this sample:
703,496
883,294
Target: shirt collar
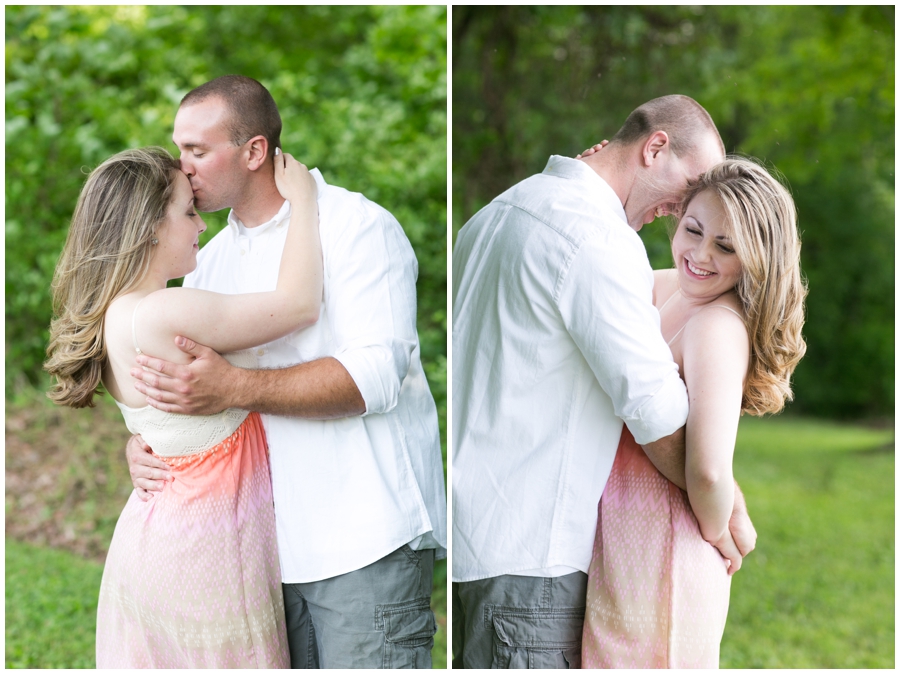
595,186
283,213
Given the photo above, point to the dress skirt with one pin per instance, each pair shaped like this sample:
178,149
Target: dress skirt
657,592
192,578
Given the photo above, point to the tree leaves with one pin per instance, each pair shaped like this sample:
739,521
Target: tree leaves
361,90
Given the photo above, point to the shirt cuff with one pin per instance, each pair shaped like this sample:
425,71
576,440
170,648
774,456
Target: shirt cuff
379,393
662,414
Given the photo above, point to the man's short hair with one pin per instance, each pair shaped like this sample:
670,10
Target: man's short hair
682,118
251,108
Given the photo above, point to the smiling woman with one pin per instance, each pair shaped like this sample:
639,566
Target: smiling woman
737,268
702,250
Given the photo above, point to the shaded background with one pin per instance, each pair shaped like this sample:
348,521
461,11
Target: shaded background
810,91
362,93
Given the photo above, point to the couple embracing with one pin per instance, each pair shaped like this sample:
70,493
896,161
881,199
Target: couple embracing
596,520
320,405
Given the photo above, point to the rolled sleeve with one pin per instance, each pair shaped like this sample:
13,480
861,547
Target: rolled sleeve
605,298
371,304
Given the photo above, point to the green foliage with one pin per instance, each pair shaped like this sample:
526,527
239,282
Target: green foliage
818,591
808,90
361,90
51,608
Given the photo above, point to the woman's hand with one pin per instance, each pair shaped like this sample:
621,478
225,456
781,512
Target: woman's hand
293,179
729,550
591,150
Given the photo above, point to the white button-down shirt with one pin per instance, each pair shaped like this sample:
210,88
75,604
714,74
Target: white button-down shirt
555,343
347,491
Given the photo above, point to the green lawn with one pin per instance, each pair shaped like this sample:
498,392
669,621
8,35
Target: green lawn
51,609
818,591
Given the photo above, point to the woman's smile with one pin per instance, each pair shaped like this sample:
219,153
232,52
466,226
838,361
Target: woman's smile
697,271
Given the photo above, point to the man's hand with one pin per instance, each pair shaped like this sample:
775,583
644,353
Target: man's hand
148,474
198,388
591,150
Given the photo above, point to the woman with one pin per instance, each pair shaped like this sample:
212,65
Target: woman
192,576
731,311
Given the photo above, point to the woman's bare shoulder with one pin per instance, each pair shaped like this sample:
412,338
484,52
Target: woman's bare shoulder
665,283
717,333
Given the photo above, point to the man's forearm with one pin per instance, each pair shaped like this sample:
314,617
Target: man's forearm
319,389
667,454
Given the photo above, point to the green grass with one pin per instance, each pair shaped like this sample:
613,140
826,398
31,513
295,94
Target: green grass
51,607
818,591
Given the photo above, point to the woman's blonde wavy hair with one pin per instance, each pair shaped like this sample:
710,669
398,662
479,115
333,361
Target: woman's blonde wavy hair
107,252
762,224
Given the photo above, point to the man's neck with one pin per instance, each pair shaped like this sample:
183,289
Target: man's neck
260,206
611,165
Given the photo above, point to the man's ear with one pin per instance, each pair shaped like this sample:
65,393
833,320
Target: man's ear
656,143
258,150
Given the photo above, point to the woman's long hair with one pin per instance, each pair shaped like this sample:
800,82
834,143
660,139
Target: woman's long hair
762,223
107,252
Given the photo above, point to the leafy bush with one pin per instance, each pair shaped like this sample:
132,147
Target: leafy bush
361,90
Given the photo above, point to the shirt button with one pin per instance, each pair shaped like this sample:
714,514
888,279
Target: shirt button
260,352
243,252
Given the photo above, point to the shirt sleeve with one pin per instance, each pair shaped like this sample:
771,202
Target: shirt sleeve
370,300
605,298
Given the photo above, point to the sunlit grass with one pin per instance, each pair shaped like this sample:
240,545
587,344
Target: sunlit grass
818,591
51,607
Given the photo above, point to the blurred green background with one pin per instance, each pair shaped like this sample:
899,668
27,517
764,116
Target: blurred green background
362,92
810,91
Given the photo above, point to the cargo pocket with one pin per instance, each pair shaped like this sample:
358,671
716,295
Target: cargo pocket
537,638
409,629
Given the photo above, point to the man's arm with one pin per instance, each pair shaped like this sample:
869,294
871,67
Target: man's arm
667,454
370,303
319,389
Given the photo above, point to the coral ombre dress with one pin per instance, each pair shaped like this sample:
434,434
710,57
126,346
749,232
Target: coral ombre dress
657,592
192,578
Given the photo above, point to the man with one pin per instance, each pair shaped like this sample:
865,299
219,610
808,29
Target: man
555,343
351,425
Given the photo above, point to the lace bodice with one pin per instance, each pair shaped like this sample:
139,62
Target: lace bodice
179,434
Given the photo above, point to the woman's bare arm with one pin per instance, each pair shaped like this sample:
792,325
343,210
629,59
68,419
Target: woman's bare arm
716,356
231,322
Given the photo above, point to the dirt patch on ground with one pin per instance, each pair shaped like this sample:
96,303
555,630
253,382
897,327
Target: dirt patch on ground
66,476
